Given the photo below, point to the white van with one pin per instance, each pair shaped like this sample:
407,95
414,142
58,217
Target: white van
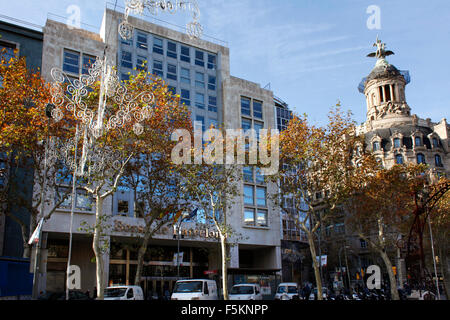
246,291
195,289
124,293
287,291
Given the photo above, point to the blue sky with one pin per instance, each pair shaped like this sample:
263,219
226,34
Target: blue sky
312,52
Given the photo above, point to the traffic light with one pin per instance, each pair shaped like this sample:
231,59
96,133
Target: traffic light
394,269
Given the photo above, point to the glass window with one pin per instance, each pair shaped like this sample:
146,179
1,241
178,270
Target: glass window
157,45
185,97
261,218
420,158
257,109
258,126
438,160
141,63
261,196
397,143
171,71
202,120
399,159
245,106
88,61
211,82
127,61
246,124
185,55
212,104
211,61
376,146
158,68
185,76
200,100
172,50
249,216
248,174
124,76
141,41
71,61
84,201
199,80
418,141
435,142
199,58
172,89
259,176
248,195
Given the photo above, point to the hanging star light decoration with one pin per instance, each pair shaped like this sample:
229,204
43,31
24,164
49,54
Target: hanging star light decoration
194,29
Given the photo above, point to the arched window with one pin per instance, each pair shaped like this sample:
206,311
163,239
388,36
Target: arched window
399,159
438,161
420,158
397,143
418,141
376,146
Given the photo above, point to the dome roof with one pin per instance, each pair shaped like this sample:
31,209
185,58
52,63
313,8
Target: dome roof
383,70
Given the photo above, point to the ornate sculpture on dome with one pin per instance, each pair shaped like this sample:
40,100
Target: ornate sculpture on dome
381,53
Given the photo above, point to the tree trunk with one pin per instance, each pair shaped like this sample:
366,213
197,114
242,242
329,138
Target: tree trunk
392,280
223,246
141,252
312,249
98,250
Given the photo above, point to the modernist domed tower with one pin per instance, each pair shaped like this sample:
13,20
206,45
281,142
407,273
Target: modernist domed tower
392,132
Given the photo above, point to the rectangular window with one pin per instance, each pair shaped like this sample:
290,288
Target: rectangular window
199,80
249,216
127,61
185,97
200,100
258,126
141,41
158,68
172,50
88,61
211,62
84,201
248,195
141,63
126,42
185,76
261,218
212,104
261,196
246,124
199,58
259,177
171,71
248,174
245,106
71,61
124,77
172,89
185,54
211,82
158,46
257,109
201,119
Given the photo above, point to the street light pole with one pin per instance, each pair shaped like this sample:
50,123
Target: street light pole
36,266
434,259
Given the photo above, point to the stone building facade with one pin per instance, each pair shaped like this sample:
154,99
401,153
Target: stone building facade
198,71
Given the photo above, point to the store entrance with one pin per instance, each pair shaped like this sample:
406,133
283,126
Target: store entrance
157,288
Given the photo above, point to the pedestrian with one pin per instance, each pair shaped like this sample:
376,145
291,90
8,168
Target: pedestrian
95,293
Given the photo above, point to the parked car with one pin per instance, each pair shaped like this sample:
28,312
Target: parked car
246,291
326,294
287,291
124,293
61,295
195,289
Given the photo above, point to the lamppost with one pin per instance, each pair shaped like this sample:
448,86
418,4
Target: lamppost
36,265
340,265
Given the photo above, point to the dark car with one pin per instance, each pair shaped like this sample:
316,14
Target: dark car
73,295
